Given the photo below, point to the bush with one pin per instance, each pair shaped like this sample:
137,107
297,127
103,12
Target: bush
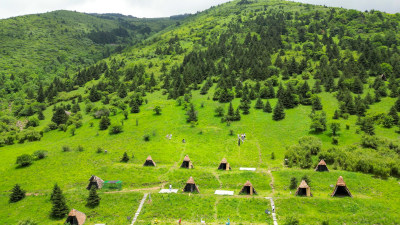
24,160
115,129
66,148
157,110
292,221
17,194
40,154
146,137
80,148
52,126
125,157
99,150
335,140
293,183
272,155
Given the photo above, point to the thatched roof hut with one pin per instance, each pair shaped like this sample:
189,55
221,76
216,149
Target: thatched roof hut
341,189
75,217
149,162
321,167
191,186
96,181
304,189
224,165
248,189
187,163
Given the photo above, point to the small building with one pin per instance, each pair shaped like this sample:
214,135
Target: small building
248,189
321,167
341,189
187,163
149,162
191,186
113,184
304,189
224,165
75,217
95,181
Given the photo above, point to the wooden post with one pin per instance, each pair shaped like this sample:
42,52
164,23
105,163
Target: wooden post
308,193
251,190
227,166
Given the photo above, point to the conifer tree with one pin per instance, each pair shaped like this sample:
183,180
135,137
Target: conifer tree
336,115
135,107
231,113
17,194
93,200
237,115
41,115
267,107
192,114
59,209
104,123
259,104
279,112
59,116
40,97
316,103
122,93
125,157
94,95
394,115
76,108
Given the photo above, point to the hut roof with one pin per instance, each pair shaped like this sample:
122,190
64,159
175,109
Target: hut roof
224,161
190,181
149,158
303,184
186,159
80,216
97,180
340,182
248,184
322,163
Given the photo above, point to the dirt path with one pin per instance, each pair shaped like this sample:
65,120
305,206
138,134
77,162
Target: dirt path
272,181
139,209
133,190
219,181
216,209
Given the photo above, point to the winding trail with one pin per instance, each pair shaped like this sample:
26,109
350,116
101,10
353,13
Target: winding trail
139,209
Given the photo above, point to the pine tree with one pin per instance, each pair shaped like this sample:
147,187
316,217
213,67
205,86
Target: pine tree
59,116
76,108
93,200
192,114
394,115
94,95
40,97
231,113
135,107
237,115
104,123
59,209
17,194
41,115
259,104
316,103
336,115
125,157
122,93
279,112
267,107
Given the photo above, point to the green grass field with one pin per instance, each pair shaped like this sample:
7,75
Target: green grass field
206,144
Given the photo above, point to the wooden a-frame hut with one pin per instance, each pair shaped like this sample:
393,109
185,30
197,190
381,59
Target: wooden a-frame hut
191,186
304,189
224,165
149,162
75,217
248,189
341,189
321,167
187,163
96,181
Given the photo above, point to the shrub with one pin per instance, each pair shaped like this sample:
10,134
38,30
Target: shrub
115,129
335,140
40,154
292,221
99,150
146,137
272,155
52,126
24,160
157,110
104,123
293,183
32,122
80,148
66,148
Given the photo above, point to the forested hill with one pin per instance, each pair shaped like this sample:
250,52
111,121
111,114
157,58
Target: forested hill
36,48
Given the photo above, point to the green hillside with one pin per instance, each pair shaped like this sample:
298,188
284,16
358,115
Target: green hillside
206,79
36,48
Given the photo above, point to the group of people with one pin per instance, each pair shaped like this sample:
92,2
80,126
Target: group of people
169,136
241,138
